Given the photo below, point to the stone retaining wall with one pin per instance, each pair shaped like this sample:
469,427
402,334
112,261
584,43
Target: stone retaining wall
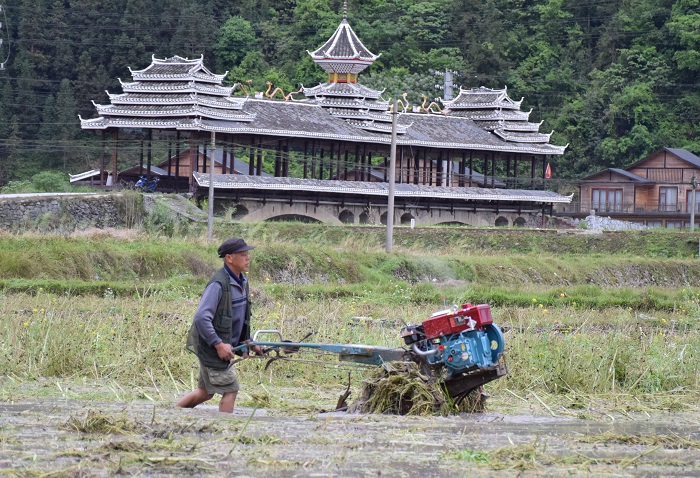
54,212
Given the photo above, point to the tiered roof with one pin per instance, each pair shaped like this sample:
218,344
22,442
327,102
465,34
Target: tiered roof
172,92
495,111
181,94
344,56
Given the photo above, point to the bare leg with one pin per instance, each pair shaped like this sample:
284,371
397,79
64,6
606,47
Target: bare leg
227,402
194,398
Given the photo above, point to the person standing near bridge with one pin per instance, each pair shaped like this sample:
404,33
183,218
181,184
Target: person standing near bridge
221,322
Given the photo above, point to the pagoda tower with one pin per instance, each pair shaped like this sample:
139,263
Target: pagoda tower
343,57
495,111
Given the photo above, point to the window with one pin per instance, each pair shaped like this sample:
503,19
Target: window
674,224
606,200
689,200
668,199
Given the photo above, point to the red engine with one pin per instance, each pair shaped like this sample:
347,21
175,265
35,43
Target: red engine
449,322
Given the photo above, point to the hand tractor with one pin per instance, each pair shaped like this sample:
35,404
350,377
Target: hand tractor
460,346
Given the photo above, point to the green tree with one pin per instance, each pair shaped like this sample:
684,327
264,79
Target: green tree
236,40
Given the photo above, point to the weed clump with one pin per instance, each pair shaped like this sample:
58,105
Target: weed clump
96,422
399,388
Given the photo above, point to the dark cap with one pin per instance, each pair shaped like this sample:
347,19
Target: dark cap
232,246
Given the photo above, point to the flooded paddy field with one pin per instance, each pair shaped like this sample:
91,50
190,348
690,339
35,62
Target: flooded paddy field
60,429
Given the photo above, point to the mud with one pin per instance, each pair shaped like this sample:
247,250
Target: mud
84,437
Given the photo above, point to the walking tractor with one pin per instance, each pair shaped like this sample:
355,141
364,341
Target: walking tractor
460,346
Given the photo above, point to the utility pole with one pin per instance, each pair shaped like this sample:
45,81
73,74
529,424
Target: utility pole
392,180
447,83
210,219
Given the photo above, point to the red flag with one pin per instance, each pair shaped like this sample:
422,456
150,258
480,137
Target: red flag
548,172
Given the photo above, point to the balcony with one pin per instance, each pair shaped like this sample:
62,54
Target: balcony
666,210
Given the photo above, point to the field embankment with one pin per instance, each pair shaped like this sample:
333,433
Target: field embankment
597,328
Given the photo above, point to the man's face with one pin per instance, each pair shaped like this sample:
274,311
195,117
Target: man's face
238,262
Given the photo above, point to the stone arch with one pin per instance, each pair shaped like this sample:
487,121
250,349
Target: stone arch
382,218
519,222
364,217
240,212
346,217
406,219
501,221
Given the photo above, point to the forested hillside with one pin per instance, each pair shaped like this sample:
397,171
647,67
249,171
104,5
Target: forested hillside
615,79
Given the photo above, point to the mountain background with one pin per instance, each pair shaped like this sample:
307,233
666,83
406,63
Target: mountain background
615,79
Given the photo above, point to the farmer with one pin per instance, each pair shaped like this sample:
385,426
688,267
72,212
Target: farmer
222,321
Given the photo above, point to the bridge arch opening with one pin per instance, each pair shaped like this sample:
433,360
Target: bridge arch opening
519,222
406,219
346,217
293,218
452,223
239,212
501,221
364,217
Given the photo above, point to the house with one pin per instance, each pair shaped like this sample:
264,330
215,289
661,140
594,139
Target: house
656,191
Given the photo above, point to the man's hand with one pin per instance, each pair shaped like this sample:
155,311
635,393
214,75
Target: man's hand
224,351
257,350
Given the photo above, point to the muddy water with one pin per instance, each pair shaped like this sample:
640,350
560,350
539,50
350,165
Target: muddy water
146,438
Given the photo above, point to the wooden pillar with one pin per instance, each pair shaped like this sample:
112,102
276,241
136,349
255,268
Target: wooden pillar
251,157
278,152
471,168
204,157
320,165
170,157
416,166
401,170
258,169
330,162
439,171
194,159
177,162
313,159
285,159
345,165
141,159
115,157
368,167
150,153
357,159
430,169
103,158
306,159
462,169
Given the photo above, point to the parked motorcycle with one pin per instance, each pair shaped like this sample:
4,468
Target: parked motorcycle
147,185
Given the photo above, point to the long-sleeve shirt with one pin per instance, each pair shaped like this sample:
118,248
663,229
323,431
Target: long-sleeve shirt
208,304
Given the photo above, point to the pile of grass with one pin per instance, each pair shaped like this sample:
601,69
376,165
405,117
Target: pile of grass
399,388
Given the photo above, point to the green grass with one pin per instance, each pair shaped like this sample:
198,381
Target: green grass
115,307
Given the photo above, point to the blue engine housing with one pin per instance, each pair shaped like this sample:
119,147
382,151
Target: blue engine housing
470,349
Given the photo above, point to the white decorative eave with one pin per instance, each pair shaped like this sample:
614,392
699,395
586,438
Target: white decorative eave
182,69
175,87
239,181
524,137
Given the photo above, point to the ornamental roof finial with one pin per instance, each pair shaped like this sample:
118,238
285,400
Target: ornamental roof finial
345,9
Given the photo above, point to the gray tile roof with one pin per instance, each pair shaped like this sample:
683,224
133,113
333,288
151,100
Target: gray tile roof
685,155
